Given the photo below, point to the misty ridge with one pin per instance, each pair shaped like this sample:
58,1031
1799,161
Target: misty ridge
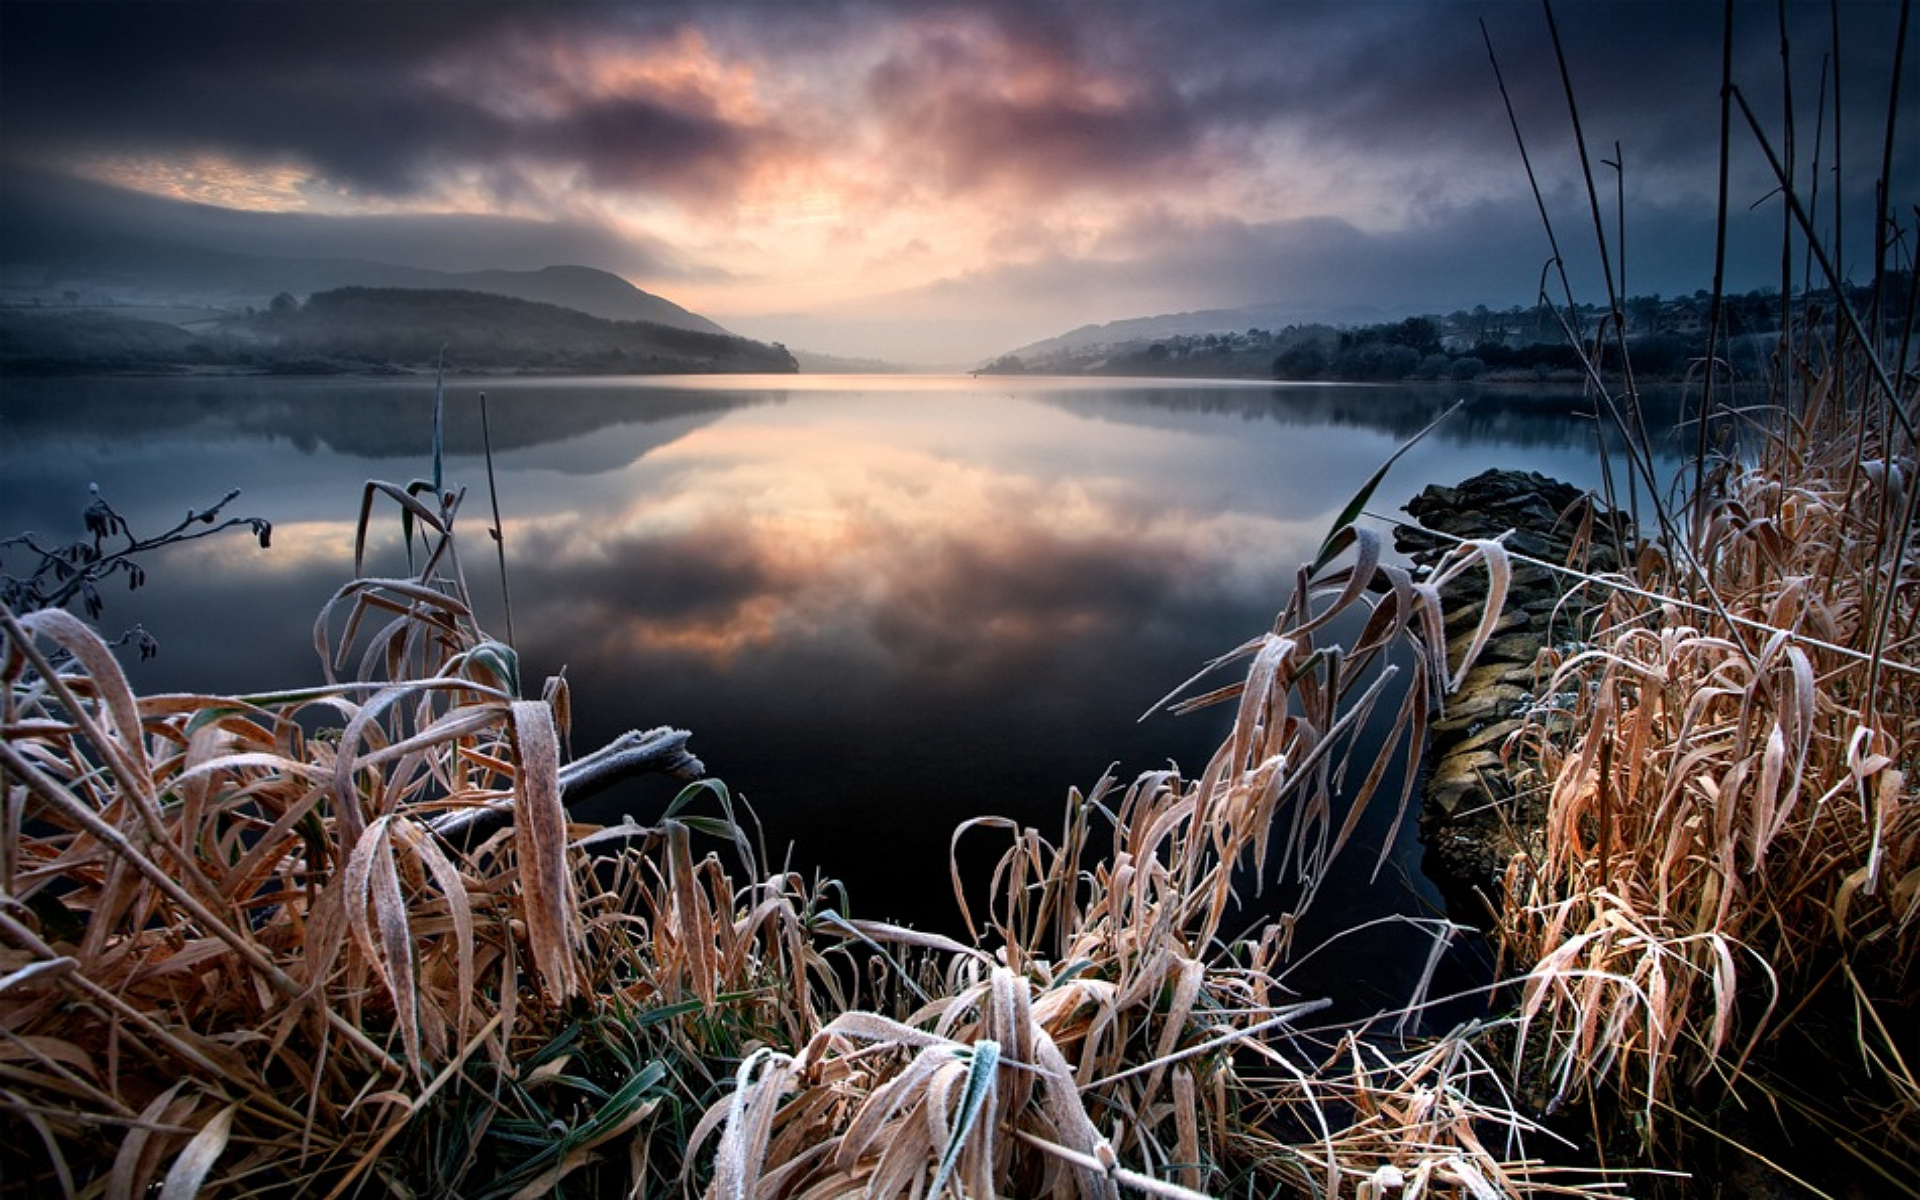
1665,337
378,330
368,329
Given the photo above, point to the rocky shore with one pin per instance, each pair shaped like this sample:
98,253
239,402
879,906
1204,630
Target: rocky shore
1478,806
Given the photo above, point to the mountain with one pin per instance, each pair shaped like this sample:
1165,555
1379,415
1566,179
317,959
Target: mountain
479,330
377,329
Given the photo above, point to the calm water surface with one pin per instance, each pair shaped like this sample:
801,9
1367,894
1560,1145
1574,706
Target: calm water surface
883,605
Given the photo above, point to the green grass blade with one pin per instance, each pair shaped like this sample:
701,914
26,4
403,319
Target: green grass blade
1334,541
982,1069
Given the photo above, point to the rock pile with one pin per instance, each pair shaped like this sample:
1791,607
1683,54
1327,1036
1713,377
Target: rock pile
1476,812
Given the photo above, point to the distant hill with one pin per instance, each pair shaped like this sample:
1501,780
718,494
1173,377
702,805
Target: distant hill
1119,337
834,364
154,274
68,243
380,329
1664,340
584,289
38,342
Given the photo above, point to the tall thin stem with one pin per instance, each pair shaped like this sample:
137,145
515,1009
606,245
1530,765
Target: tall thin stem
1791,154
1715,314
496,533
1882,218
1631,427
1559,264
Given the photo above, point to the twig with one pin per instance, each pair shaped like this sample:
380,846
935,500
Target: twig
1832,273
80,565
655,751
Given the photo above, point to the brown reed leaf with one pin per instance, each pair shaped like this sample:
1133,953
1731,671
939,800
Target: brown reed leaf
372,881
762,1079
1493,555
690,922
190,1169
1740,737
138,1160
120,740
540,840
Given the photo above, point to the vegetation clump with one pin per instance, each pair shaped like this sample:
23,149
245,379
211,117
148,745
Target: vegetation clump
348,937
1731,845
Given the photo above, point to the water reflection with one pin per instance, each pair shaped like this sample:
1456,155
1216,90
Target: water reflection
1520,415
375,418
882,606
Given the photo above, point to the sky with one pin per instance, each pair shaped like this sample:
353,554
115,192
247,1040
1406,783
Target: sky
941,182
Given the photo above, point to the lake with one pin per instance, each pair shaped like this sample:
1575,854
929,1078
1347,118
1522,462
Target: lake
881,604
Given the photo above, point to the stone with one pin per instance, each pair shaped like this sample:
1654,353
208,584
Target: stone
1461,775
1488,677
1518,646
1473,818
1490,736
1466,619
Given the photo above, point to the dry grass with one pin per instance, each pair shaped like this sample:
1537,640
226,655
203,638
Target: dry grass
1731,824
1731,849
244,950
235,950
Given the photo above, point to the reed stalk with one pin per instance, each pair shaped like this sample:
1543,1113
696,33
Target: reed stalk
1728,757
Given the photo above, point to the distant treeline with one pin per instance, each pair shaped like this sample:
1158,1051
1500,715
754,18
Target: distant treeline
1664,339
361,329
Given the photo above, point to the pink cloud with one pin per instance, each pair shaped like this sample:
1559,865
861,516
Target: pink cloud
969,105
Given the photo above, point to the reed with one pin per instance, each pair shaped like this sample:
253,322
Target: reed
1099,1032
1730,823
1731,846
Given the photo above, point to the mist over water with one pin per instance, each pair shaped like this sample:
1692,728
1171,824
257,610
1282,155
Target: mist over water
882,605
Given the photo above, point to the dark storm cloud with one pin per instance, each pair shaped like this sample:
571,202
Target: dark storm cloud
1112,90
1413,81
381,97
327,79
643,145
43,215
1328,269
1333,261
1116,159
1417,79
